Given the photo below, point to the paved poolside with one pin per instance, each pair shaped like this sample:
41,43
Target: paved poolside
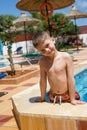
7,120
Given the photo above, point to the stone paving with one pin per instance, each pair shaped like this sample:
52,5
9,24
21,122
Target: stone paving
7,120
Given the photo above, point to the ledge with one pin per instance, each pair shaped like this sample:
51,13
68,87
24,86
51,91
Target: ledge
46,116
19,79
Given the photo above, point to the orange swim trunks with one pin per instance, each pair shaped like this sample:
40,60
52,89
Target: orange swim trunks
64,97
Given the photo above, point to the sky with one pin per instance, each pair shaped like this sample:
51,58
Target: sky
8,7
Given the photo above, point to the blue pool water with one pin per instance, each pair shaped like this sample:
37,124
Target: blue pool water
33,55
81,84
72,52
2,63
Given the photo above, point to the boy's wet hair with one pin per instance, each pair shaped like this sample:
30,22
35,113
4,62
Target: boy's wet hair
40,37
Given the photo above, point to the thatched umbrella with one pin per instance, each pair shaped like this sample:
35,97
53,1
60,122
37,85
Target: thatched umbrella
33,5
74,13
48,5
24,21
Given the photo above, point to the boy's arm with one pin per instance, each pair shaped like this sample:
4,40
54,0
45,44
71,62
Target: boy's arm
43,83
70,77
71,80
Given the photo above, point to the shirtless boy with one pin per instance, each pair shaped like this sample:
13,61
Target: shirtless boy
57,68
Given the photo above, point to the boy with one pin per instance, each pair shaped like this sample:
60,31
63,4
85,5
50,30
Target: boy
57,68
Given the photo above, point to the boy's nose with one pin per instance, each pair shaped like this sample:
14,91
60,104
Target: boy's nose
47,50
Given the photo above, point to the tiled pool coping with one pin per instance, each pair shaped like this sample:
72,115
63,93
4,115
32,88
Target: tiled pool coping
79,68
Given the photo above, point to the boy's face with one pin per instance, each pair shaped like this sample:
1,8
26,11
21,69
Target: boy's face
47,48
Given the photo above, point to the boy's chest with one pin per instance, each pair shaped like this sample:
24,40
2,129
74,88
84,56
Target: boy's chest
55,66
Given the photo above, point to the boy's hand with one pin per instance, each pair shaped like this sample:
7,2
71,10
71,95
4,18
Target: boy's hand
39,99
75,102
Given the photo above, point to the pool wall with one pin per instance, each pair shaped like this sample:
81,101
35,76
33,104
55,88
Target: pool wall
47,116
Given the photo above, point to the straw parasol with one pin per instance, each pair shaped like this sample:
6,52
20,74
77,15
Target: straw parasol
49,5
34,5
74,13
24,21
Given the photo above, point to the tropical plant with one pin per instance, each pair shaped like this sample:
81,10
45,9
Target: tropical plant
59,24
6,36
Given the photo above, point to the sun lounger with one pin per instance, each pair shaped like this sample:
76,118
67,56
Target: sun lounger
2,75
19,50
33,58
28,60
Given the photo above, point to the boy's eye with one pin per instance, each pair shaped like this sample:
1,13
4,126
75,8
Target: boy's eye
47,45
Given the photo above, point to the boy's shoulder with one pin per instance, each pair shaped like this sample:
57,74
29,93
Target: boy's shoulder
65,55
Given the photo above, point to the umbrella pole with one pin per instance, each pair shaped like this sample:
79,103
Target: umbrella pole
25,37
15,39
48,20
76,34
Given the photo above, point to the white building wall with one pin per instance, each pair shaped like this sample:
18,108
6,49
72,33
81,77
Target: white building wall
30,47
84,37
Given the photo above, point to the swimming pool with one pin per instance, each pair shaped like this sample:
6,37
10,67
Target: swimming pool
73,52
3,63
33,55
6,63
81,84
